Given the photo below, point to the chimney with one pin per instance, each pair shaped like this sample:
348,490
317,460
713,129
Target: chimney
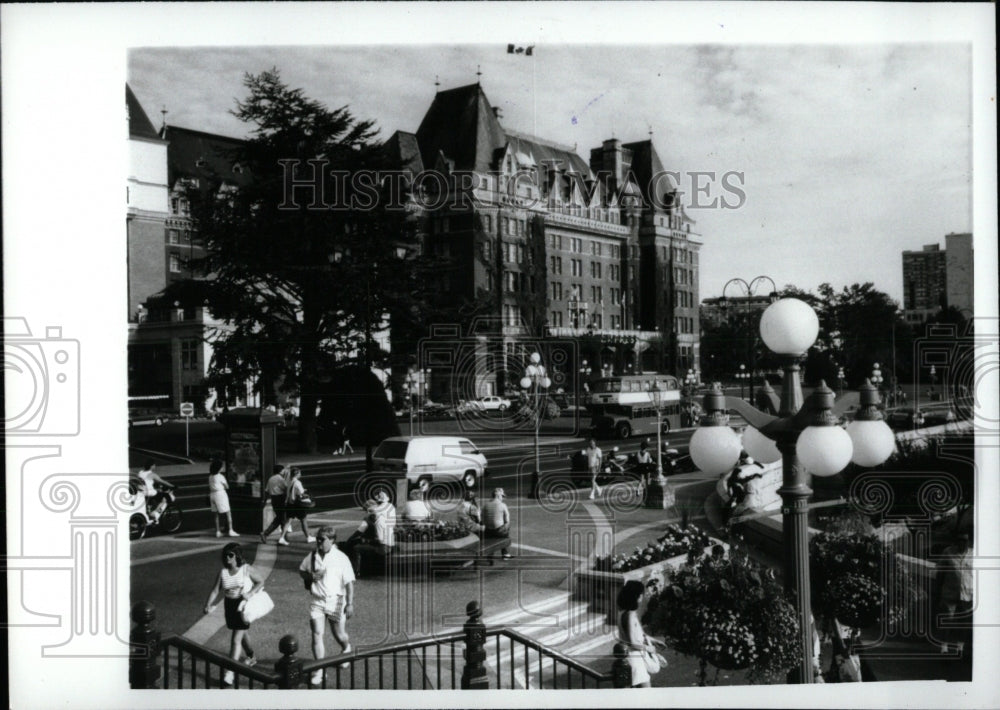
498,112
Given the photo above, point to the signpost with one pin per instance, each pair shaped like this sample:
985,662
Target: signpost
187,411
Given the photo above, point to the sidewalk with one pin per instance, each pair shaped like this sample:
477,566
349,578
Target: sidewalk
893,657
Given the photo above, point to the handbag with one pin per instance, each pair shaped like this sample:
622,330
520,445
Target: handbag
256,606
654,661
305,500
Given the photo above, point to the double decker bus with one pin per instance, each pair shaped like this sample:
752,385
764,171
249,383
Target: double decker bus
624,405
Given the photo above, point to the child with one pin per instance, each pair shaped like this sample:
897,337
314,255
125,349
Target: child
217,487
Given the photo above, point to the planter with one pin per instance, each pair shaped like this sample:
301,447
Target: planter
433,547
601,589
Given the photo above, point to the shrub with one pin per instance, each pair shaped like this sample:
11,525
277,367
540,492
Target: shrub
728,612
674,542
431,531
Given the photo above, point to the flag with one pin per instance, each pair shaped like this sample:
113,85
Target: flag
526,51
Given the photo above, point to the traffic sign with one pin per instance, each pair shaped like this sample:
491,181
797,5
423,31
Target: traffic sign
187,409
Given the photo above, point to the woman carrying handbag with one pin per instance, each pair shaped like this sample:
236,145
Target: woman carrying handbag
237,583
297,505
643,658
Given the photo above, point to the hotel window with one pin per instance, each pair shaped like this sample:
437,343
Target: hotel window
487,251
576,245
520,254
616,322
556,262
173,236
556,318
596,294
189,354
595,269
557,292
595,248
487,223
175,264
598,321
577,265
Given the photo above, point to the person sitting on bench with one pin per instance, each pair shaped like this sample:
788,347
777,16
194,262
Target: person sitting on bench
377,533
415,509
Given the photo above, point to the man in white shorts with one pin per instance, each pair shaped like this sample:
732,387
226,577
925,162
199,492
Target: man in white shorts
328,575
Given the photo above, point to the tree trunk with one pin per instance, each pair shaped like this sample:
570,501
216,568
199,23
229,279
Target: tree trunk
307,423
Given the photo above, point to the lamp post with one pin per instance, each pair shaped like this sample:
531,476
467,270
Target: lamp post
750,291
742,376
657,396
808,437
876,378
690,382
840,380
535,381
409,383
584,372
933,378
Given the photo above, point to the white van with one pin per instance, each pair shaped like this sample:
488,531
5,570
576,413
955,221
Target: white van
431,458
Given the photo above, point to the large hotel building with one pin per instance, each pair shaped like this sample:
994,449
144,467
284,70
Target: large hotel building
601,252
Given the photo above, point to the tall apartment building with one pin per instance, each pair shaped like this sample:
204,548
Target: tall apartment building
599,252
934,278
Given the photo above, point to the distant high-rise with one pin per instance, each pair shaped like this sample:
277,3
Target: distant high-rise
935,278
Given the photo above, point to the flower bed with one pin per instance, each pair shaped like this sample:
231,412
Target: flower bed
431,531
600,583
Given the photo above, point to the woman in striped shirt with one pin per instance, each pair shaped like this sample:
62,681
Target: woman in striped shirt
237,581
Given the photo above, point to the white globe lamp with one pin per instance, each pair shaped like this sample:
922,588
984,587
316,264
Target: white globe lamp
789,326
873,442
824,450
715,449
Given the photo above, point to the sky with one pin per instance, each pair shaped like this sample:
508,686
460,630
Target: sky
849,153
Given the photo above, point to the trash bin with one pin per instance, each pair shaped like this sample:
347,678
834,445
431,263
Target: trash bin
251,451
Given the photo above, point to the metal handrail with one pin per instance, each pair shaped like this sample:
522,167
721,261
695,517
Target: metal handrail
551,653
406,646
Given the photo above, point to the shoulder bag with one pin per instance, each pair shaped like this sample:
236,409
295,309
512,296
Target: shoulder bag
256,606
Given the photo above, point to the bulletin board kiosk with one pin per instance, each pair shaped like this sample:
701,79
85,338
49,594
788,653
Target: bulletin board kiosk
251,451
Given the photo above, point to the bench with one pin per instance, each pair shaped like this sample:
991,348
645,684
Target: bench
462,553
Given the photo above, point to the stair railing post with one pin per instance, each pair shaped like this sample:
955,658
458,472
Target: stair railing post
144,648
621,671
474,674
289,666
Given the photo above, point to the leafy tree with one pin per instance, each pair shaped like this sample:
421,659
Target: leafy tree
302,279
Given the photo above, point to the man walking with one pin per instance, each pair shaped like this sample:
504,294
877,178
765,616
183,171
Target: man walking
327,574
496,519
595,457
277,490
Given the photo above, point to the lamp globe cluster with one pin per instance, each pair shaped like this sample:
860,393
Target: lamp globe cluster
789,327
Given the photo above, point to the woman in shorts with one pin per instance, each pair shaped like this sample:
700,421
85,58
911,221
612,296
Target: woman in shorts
237,582
217,487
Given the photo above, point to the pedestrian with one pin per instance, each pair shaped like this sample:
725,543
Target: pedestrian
469,514
645,464
956,581
643,658
237,581
338,440
296,505
415,509
219,499
595,458
377,533
496,520
345,438
277,489
329,578
151,489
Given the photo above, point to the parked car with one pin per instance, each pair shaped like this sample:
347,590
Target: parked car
431,458
143,417
493,402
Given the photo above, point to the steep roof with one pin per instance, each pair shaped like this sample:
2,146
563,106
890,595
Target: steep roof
461,124
139,125
646,165
196,154
403,152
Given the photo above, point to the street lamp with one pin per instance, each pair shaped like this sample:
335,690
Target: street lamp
876,378
690,381
409,383
657,396
808,437
933,378
584,372
750,290
742,376
535,381
840,380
